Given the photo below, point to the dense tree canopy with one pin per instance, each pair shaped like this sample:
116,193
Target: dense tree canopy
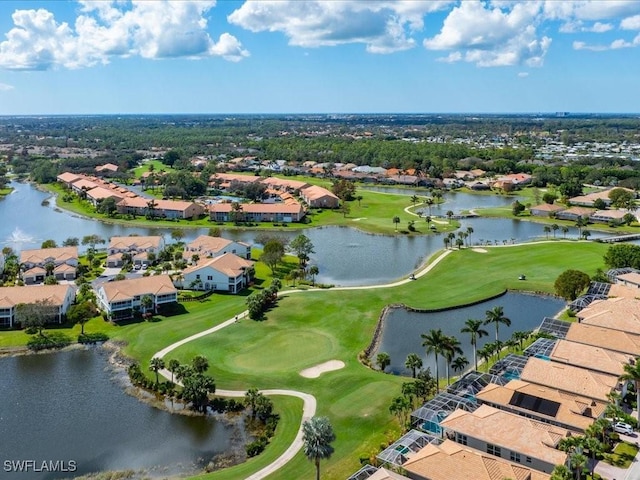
623,255
571,283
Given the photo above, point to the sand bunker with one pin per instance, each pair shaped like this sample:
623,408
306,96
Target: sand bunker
315,372
358,219
479,250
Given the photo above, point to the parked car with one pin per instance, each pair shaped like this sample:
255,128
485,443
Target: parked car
621,427
137,266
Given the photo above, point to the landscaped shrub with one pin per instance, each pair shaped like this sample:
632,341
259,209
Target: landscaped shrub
257,447
48,341
93,337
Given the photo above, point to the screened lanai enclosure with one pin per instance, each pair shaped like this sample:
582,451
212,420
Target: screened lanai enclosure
401,450
428,417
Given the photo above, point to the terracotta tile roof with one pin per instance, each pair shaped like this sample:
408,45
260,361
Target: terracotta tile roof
547,207
314,192
259,208
207,243
169,205
452,461
229,264
509,431
620,313
68,177
40,255
626,291
274,182
608,338
631,277
230,177
34,271
127,289
590,357
11,296
575,411
137,242
384,474
569,378
582,211
99,193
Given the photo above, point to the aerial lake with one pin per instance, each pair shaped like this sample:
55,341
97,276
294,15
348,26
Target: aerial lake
402,328
71,406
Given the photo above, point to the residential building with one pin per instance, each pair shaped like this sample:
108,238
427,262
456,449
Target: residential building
62,262
207,247
570,379
509,436
453,461
615,340
574,213
121,299
608,216
546,210
258,212
227,273
136,246
544,404
620,313
61,297
318,197
174,209
590,357
631,279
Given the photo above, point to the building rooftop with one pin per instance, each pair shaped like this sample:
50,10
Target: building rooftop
590,357
528,398
608,338
568,378
12,296
127,289
509,431
452,461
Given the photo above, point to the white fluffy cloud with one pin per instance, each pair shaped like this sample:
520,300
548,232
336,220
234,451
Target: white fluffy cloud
383,26
5,87
631,23
614,45
492,35
158,29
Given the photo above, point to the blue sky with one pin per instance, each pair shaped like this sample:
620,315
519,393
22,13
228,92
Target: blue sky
86,57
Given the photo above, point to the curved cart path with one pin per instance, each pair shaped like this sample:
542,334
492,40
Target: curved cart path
309,401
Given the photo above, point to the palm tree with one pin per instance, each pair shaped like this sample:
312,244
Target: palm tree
581,222
561,472
547,230
449,215
459,364
313,271
396,221
429,202
475,330
200,364
469,232
565,230
632,374
452,348
414,199
383,360
435,342
586,234
251,399
496,316
317,435
595,448
413,363
173,368
520,337
446,241
577,462
485,354
155,365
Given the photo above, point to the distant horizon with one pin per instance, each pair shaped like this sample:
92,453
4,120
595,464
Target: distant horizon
558,114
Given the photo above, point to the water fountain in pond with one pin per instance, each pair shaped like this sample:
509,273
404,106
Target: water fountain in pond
18,238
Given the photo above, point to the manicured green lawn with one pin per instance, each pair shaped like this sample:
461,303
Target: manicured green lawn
622,455
158,167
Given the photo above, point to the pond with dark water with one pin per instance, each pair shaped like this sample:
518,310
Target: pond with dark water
402,328
71,406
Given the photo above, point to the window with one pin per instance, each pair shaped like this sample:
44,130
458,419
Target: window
198,276
494,450
209,277
528,460
515,457
462,439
